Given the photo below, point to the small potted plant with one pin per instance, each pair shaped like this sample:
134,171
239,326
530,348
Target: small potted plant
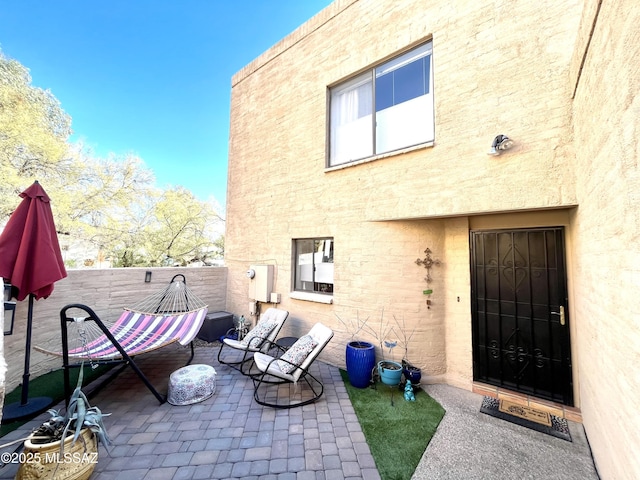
66,446
390,371
410,371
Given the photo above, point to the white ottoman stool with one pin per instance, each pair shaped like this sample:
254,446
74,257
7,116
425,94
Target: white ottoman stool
191,384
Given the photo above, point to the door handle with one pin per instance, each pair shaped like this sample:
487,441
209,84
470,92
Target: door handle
561,313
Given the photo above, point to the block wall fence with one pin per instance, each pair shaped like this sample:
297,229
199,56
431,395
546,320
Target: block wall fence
106,291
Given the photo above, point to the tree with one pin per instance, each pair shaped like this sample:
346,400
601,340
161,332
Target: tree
104,208
112,204
180,229
104,197
33,133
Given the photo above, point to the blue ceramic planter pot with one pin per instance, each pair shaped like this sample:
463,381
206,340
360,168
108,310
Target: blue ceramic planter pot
360,359
390,372
411,373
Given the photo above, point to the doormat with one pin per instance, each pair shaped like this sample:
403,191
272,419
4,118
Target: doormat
528,417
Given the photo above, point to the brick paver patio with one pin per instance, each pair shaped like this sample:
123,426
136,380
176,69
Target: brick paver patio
226,436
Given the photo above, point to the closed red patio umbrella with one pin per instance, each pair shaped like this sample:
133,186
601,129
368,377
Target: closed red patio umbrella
30,259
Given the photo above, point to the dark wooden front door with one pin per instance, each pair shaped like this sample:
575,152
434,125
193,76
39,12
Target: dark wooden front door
520,315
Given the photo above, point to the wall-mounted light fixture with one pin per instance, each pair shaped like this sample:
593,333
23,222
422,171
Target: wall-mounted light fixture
9,310
147,277
500,143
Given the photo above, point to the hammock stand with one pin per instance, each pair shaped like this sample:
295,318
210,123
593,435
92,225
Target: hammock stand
172,315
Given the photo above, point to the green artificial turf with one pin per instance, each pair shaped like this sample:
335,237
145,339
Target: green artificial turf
397,433
49,385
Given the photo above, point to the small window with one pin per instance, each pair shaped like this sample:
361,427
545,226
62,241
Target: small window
386,108
313,258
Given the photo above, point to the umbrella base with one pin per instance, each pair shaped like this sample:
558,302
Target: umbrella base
17,411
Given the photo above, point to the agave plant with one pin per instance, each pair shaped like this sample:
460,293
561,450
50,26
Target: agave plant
80,414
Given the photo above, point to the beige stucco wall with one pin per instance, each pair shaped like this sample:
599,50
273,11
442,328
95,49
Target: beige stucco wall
607,232
106,291
495,72
501,69
530,70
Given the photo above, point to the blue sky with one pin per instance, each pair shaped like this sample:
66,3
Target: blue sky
152,77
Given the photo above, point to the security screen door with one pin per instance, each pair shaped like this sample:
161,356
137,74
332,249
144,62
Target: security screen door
519,312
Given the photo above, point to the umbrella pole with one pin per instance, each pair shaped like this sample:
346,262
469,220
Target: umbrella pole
26,407
27,355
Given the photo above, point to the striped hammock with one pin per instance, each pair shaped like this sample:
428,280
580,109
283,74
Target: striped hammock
140,333
172,315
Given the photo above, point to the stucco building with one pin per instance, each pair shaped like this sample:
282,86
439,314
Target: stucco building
362,139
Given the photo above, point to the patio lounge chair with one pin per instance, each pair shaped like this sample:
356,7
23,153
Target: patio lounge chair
294,365
260,339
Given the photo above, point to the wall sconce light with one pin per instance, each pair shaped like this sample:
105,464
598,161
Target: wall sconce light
147,277
500,143
9,311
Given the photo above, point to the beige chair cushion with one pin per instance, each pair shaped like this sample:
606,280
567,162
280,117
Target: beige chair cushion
258,334
297,354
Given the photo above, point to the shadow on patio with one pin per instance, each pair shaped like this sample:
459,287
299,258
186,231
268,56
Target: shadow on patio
226,436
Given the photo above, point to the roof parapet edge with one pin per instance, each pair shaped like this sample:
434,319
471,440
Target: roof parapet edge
307,28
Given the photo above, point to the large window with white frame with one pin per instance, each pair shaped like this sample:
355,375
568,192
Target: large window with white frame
313,265
387,108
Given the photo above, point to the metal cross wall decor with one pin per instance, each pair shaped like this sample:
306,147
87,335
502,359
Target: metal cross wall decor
428,262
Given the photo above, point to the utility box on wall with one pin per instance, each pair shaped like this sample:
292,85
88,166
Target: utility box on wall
261,283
